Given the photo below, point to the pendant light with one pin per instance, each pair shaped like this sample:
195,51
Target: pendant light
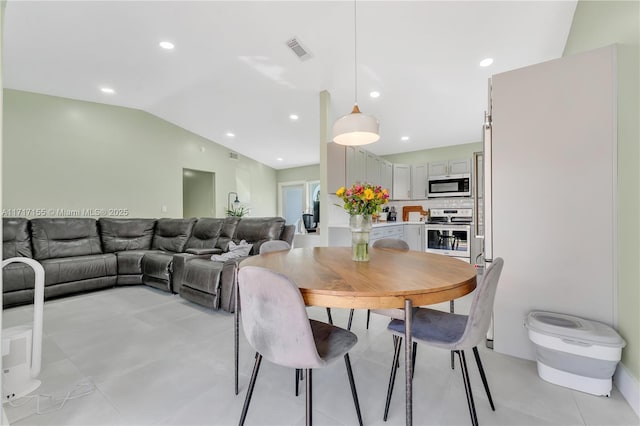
356,128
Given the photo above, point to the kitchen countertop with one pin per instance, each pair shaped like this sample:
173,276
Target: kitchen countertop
379,224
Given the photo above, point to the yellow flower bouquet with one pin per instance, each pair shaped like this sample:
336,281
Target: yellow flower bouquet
361,201
364,199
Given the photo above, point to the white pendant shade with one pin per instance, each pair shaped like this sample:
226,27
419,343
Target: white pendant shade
356,129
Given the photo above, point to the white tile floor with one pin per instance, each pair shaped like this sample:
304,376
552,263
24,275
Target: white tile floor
156,359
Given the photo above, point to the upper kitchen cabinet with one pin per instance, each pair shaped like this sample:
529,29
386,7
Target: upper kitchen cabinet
419,181
372,169
401,182
356,163
386,176
450,167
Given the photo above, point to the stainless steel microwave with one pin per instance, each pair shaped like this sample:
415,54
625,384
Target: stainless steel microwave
449,186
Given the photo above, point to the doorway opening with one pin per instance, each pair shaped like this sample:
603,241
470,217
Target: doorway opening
198,193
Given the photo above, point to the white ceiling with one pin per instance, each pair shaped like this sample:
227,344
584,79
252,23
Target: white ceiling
231,70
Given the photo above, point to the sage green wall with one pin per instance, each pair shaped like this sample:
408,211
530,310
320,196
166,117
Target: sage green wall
597,24
198,190
437,154
62,154
305,173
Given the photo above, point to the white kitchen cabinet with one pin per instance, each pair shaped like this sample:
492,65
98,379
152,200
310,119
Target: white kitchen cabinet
414,236
419,181
356,164
372,170
386,175
401,182
450,167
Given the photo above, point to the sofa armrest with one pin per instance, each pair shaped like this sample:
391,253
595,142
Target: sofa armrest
227,284
201,251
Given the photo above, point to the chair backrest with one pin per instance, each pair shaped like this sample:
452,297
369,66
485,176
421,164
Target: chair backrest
274,245
307,218
392,243
275,319
482,306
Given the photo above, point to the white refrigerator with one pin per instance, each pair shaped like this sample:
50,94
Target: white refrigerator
550,192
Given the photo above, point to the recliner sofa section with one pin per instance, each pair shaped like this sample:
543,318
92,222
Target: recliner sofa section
82,254
211,283
70,252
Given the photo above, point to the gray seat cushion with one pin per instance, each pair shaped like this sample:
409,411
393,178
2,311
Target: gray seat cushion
67,269
130,261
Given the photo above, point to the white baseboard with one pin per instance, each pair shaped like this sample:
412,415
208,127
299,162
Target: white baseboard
628,387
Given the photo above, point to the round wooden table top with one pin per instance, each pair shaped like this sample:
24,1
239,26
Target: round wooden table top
328,277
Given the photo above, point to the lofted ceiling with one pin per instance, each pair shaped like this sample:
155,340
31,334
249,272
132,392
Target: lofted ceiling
232,72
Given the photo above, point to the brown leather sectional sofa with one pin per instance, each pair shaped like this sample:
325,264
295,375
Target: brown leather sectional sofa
174,255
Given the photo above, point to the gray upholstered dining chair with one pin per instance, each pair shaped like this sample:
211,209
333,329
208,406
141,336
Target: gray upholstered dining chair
390,243
276,324
266,247
454,332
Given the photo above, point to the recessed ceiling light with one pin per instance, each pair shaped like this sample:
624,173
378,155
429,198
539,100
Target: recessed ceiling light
374,94
280,159
294,116
486,62
108,90
404,138
166,45
230,135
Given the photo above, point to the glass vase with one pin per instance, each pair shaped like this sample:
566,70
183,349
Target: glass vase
360,228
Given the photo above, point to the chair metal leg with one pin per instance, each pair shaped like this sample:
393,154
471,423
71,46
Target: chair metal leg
413,359
236,331
309,407
483,377
467,388
352,383
252,383
329,319
451,309
350,319
368,316
297,380
397,344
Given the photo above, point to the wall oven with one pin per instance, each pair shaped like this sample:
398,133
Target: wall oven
448,239
449,186
448,232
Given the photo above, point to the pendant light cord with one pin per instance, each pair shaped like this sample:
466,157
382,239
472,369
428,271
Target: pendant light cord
355,50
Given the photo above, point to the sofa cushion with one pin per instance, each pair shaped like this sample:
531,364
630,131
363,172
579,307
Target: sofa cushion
17,276
205,233
227,232
156,265
130,261
64,237
126,234
16,240
68,269
256,230
172,234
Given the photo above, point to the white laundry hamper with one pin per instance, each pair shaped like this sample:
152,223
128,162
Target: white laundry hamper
575,352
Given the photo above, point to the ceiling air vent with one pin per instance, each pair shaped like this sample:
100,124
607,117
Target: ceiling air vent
233,155
298,49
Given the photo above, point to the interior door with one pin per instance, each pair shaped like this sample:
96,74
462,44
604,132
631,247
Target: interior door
292,202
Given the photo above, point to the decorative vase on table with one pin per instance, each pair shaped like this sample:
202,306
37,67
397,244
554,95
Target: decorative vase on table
360,225
361,201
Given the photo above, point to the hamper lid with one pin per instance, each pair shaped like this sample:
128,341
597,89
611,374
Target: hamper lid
574,328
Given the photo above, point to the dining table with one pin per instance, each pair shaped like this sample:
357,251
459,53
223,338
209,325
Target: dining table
328,277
